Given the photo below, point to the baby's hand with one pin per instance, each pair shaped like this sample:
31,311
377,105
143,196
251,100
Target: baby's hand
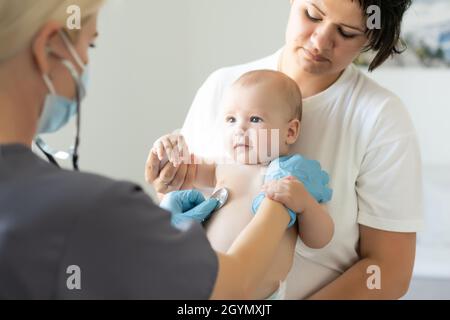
173,148
290,192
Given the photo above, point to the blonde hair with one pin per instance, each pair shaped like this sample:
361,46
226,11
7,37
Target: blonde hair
284,85
20,20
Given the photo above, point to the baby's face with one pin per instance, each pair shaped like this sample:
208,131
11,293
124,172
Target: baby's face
255,124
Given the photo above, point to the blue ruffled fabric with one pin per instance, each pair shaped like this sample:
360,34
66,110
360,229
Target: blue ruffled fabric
309,172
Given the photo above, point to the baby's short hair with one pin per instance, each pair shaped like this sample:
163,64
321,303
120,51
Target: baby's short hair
287,87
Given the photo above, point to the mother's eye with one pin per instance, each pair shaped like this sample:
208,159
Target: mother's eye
346,35
310,17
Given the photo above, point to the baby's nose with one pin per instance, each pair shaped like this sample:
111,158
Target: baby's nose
240,130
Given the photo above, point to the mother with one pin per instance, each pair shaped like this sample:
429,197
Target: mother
360,132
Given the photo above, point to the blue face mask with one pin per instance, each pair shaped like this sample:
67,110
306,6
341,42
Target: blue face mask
58,110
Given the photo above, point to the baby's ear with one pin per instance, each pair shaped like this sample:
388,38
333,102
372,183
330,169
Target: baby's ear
293,131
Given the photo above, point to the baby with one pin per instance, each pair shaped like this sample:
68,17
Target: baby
260,113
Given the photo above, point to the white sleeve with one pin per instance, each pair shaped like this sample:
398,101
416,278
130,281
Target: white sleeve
199,129
389,184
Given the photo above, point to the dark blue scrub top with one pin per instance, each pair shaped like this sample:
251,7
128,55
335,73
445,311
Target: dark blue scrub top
122,243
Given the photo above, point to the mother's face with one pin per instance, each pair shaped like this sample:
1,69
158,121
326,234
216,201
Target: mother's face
325,36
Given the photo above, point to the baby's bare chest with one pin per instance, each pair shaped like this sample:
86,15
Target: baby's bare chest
242,181
243,184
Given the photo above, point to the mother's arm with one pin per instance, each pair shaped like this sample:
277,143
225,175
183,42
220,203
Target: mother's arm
392,252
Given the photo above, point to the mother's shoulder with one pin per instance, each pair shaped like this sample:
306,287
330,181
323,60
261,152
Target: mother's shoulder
378,104
373,96
368,88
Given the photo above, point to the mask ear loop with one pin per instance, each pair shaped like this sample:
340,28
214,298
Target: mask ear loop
72,50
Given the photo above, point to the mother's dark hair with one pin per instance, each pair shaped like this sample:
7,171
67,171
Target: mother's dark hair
386,40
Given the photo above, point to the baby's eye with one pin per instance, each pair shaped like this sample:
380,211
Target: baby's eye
230,120
256,119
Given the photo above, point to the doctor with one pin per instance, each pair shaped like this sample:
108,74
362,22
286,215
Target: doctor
71,235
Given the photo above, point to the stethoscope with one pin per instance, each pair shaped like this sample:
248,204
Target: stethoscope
221,195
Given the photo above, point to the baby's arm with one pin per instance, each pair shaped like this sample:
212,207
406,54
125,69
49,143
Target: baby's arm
316,228
205,175
174,149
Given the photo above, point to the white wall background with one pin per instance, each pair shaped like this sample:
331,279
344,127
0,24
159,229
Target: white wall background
153,55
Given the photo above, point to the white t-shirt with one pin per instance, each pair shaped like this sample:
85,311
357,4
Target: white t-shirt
363,136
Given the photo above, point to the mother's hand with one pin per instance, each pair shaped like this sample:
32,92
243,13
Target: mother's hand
168,178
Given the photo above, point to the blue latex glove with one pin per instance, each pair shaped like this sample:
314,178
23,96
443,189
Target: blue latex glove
188,205
307,171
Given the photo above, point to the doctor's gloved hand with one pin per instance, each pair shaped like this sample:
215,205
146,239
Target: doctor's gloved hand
188,205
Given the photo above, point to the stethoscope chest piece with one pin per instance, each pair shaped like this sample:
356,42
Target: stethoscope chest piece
222,196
